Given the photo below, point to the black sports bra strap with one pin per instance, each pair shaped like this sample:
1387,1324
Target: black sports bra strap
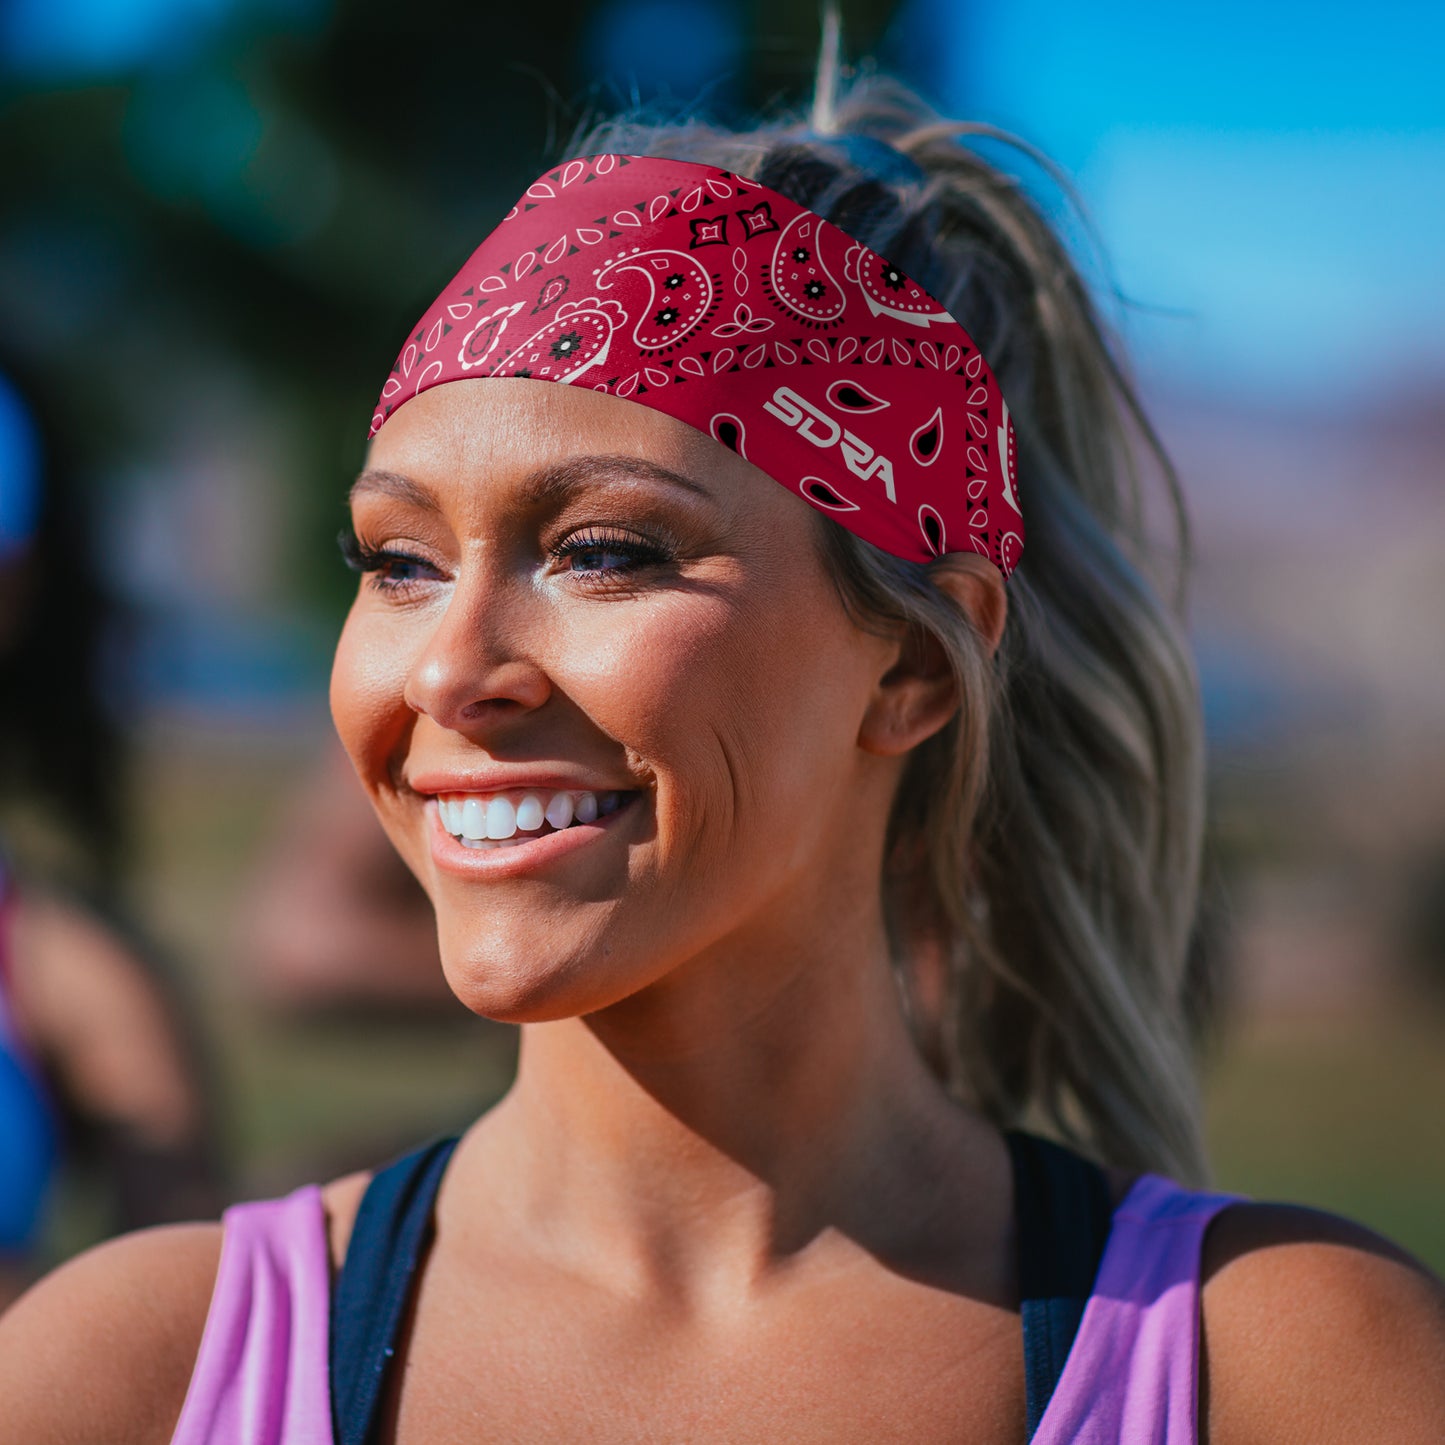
1063,1210
368,1300
1062,1207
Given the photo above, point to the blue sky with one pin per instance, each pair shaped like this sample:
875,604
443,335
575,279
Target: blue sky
1275,171
71,40
1268,178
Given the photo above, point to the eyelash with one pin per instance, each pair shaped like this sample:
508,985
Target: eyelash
638,552
373,562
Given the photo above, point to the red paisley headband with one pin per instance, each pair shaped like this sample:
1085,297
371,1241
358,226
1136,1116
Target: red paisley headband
712,298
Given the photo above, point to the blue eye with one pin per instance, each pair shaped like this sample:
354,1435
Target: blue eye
594,554
395,567
601,559
388,569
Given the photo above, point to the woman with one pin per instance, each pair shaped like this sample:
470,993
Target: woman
807,851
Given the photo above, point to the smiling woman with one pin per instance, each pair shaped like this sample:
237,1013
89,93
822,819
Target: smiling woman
652,642
816,848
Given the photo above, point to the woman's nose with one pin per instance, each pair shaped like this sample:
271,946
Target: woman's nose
475,666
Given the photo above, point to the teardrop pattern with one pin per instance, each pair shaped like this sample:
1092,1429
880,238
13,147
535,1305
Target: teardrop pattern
935,534
855,397
486,333
927,442
820,494
888,292
728,429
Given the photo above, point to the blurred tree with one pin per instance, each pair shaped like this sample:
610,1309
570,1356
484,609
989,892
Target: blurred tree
273,189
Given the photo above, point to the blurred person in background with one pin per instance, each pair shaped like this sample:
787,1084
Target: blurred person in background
98,1068
692,776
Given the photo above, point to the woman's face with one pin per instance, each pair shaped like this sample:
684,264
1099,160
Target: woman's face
576,611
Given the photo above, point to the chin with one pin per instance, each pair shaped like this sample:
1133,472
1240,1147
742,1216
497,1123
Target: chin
533,985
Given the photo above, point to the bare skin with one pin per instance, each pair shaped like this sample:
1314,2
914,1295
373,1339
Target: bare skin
724,1200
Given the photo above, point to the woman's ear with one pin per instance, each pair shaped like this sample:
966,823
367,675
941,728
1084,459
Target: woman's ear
976,585
918,694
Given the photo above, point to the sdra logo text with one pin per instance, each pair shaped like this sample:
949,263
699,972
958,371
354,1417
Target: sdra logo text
823,431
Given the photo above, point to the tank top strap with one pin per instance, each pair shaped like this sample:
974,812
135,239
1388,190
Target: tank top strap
1133,1373
392,1227
1062,1209
261,1373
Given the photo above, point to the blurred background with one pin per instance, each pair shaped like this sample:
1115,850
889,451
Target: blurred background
218,218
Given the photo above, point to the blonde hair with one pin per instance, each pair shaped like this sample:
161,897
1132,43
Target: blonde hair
1045,846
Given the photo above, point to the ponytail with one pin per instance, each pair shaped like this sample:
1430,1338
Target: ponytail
1044,847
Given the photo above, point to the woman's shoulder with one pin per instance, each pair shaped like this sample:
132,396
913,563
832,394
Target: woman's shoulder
340,1200
103,1347
1316,1328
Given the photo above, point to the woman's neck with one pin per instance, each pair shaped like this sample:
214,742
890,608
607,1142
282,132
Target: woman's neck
755,1106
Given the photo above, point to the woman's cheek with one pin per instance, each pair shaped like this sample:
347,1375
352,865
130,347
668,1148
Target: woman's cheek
652,677
694,695
368,687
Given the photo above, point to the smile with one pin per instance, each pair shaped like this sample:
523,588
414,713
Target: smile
504,820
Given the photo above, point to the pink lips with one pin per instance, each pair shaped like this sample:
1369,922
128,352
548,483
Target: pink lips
529,853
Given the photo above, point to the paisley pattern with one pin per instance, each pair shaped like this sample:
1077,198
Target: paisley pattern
820,494
927,442
798,278
481,341
850,395
888,292
731,432
675,297
720,302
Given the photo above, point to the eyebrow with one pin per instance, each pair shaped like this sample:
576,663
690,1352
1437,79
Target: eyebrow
393,484
558,482
552,484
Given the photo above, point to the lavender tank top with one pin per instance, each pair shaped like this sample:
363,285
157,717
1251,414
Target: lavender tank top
1132,1376
261,1373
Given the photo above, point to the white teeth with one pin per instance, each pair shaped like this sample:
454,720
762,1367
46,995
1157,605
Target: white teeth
494,820
474,819
501,819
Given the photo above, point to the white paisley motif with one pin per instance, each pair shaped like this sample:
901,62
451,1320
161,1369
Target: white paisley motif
680,295
576,339
1005,444
798,276
485,334
887,291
